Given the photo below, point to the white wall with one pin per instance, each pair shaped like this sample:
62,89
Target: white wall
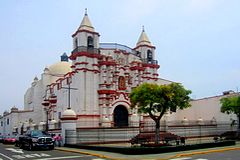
205,108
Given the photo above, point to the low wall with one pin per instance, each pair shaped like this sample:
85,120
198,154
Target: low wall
101,135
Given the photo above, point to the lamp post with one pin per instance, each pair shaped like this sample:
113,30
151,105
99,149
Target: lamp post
47,103
52,101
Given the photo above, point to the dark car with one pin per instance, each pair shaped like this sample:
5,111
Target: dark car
1,139
9,140
18,139
36,139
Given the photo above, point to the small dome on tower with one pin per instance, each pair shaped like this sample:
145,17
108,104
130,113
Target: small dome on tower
64,57
86,23
14,109
46,70
35,79
143,39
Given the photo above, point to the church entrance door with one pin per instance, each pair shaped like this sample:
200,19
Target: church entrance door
120,116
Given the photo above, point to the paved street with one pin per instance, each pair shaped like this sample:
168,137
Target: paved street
10,152
227,155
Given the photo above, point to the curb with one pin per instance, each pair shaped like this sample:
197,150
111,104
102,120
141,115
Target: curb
171,157
88,153
202,152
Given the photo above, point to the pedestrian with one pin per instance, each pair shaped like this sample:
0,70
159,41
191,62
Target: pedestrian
182,139
59,140
55,137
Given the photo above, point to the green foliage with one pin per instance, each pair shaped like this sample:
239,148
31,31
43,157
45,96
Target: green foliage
230,105
156,100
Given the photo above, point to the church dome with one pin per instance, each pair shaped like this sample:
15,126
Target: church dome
69,113
14,109
60,68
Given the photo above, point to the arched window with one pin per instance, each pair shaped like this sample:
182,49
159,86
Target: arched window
76,43
149,55
90,42
121,83
138,54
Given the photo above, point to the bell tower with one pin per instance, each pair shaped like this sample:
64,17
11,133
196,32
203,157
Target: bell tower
145,49
85,38
85,56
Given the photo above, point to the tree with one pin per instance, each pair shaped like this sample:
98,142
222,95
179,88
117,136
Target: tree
231,105
155,100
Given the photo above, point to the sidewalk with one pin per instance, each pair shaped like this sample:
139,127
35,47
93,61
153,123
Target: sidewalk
162,156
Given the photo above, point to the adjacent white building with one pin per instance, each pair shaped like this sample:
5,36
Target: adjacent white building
208,109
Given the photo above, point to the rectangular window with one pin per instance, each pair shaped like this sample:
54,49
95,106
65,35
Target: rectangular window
1,123
8,121
59,85
69,80
59,115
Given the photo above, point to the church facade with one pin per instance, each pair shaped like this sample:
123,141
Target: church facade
95,87
102,76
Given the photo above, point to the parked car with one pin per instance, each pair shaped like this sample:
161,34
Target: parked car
229,135
18,139
1,139
36,139
9,140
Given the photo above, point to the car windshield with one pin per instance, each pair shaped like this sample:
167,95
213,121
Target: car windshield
8,137
39,133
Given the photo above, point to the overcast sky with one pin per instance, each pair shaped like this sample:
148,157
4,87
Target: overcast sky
197,41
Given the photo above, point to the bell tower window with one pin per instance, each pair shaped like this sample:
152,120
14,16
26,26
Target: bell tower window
76,43
149,55
138,54
90,42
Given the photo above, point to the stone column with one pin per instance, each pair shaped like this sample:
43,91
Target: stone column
68,121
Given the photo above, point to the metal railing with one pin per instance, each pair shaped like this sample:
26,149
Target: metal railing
192,132
86,49
102,135
116,46
150,61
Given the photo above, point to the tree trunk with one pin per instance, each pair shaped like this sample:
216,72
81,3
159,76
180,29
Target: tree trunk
157,132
